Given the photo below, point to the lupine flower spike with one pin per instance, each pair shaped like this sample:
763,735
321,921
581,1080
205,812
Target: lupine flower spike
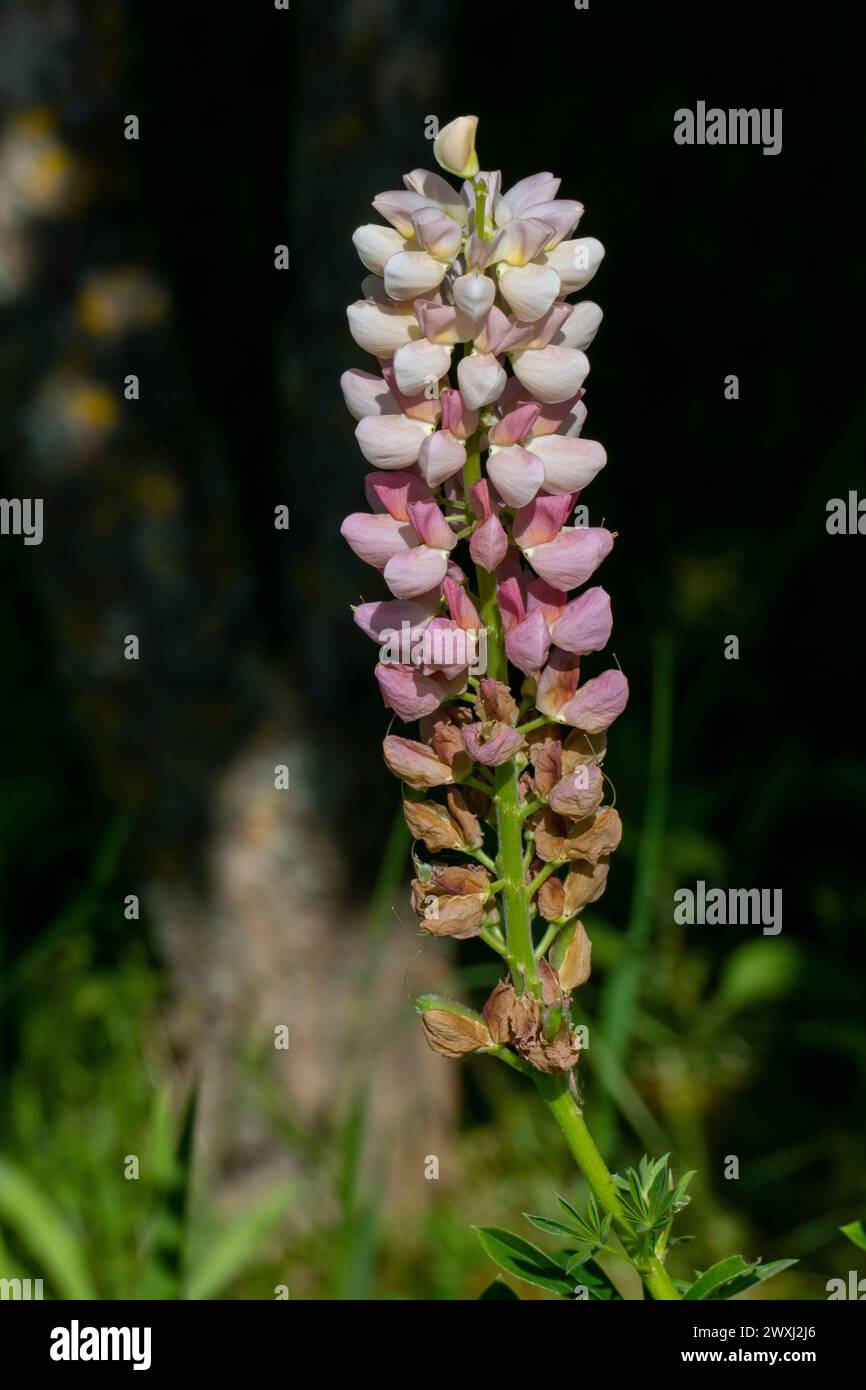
473,427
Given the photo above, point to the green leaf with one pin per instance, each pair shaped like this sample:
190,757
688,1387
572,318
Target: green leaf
856,1232
600,1288
497,1291
221,1259
553,1228
733,1276
42,1227
718,1274
757,1274
517,1256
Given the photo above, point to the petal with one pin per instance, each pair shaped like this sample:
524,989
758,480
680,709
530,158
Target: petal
367,394
516,474
541,521
512,609
441,456
529,290
481,379
575,261
397,207
391,441
552,602
492,744
419,366
572,557
597,703
384,619
557,683
415,571
528,644
563,215
516,425
488,545
433,187
537,188
412,273
391,492
455,415
454,147
550,374
460,605
376,244
375,539
411,694
578,794
415,763
430,525
380,329
569,464
580,327
440,236
474,294
586,623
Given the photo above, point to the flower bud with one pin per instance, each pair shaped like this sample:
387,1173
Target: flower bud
454,147
451,1029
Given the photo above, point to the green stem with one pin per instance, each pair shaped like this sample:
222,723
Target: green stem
561,1103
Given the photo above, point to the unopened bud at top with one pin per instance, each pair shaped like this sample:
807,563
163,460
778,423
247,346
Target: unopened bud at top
454,147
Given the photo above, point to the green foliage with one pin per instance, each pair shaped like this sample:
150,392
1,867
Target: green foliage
651,1199
733,1276
856,1232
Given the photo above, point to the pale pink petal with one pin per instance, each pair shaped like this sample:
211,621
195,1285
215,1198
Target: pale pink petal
585,624
550,374
529,290
569,464
541,520
481,379
420,366
580,327
456,417
516,474
376,244
381,329
572,557
390,441
398,205
598,703
412,273
432,186
528,644
391,492
366,394
376,539
440,457
474,294
512,609
410,693
578,794
516,425
552,602
460,605
557,683
384,620
488,545
430,525
415,572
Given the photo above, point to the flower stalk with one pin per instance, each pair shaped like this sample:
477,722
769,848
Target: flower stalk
503,789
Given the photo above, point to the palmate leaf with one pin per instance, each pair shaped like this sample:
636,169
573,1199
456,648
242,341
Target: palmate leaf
856,1232
551,1228
526,1261
599,1287
733,1276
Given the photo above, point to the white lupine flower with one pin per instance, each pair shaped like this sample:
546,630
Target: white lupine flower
454,147
367,394
481,379
420,365
474,294
376,244
529,290
580,327
575,262
412,273
550,374
380,330
391,441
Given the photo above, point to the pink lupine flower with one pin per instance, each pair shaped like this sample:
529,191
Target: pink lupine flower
474,429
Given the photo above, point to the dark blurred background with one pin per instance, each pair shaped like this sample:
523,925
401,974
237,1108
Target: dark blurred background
261,127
